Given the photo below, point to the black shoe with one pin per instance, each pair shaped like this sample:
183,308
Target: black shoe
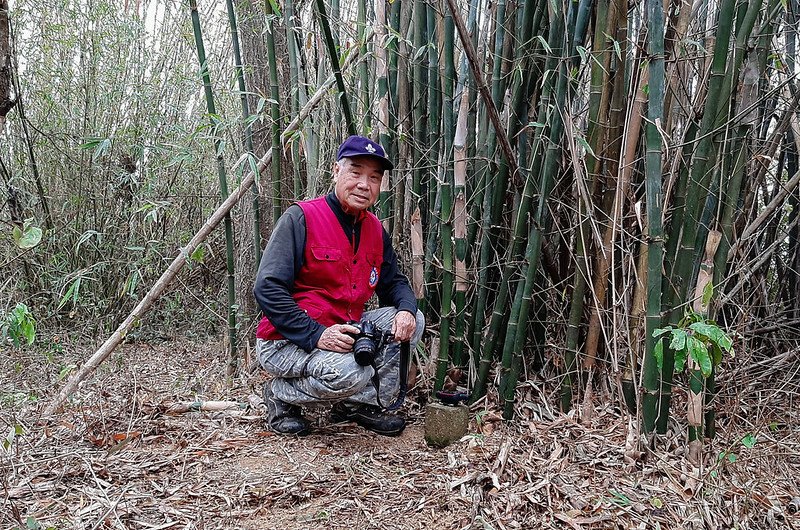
371,418
282,417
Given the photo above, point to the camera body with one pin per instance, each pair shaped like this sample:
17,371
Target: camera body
368,341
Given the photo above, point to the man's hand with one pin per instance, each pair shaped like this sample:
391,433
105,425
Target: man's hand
404,325
337,338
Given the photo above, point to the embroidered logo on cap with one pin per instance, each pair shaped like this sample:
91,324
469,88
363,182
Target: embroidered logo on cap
373,277
370,148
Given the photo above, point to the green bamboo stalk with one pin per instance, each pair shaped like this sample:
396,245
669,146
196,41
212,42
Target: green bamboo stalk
446,191
275,115
608,136
515,337
363,71
418,158
296,91
528,26
233,359
699,175
248,125
383,123
419,84
653,163
330,45
433,110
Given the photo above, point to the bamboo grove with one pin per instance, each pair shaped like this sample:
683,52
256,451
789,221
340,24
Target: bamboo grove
560,168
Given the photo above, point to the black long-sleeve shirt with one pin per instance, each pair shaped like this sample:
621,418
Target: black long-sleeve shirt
283,258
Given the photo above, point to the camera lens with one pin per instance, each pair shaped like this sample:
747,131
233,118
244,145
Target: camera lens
364,350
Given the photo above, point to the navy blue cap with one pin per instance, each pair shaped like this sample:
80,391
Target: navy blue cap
361,146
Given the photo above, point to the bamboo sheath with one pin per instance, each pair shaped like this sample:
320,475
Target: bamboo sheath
116,338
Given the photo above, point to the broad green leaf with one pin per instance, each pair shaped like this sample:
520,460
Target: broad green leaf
28,331
661,331
749,441
678,340
732,457
699,352
716,354
714,333
680,360
27,237
658,353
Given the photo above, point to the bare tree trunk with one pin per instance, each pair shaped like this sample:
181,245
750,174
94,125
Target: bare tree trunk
6,103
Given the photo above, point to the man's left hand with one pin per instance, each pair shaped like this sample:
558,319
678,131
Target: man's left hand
404,325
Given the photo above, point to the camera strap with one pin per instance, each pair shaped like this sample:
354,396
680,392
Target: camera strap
405,361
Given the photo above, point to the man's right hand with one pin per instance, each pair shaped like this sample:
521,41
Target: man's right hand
338,337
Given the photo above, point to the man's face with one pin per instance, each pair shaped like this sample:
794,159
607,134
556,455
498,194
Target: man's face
357,182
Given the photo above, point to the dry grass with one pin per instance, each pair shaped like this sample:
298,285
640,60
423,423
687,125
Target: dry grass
114,459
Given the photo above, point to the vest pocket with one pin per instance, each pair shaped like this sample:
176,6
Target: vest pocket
326,253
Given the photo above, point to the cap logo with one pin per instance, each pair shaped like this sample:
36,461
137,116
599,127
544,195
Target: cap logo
370,148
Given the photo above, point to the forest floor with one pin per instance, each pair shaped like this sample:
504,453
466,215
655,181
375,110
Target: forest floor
115,459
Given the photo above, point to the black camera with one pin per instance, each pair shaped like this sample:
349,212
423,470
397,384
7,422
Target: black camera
368,341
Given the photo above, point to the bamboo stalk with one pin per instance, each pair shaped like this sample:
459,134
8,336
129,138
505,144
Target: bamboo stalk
363,70
655,114
223,186
275,114
460,227
248,126
324,23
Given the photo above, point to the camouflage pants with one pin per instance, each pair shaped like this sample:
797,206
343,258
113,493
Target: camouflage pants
323,376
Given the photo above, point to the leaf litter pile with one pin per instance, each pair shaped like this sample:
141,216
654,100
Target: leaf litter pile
130,451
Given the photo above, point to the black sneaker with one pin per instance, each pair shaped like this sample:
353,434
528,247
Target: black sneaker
284,418
369,417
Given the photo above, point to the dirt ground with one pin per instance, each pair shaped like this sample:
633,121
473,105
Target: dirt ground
114,458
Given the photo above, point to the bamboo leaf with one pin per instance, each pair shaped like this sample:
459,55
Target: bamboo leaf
72,293
546,46
276,10
708,293
582,141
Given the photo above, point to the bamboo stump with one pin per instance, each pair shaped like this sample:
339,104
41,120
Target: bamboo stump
444,424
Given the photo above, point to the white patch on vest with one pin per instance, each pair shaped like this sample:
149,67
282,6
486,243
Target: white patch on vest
373,277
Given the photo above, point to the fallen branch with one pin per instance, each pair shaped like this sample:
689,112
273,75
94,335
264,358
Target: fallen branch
182,407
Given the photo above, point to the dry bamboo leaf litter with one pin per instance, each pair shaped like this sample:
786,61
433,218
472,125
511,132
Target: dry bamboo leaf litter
116,459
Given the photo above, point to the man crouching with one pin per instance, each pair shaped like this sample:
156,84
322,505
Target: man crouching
325,259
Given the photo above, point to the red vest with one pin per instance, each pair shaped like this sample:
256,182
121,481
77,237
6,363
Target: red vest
333,284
